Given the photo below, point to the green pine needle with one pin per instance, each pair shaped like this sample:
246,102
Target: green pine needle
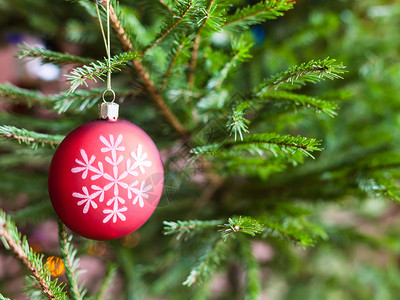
297,76
48,56
261,141
182,228
245,17
327,107
246,225
98,69
32,138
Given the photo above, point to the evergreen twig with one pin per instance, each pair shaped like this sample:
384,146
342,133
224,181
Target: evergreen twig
196,44
30,137
12,240
70,262
170,28
107,281
48,56
182,228
297,76
209,262
78,76
243,18
144,76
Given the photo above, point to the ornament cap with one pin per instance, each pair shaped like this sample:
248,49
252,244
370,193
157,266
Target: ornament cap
109,111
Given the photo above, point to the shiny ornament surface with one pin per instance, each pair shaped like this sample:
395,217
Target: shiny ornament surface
106,179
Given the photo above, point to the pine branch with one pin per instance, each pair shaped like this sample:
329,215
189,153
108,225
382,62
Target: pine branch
296,229
30,137
237,123
48,56
107,281
98,69
3,298
15,94
243,18
253,279
285,143
70,262
328,107
84,99
187,7
144,76
182,228
178,50
12,240
196,44
164,4
240,49
246,225
208,263
297,76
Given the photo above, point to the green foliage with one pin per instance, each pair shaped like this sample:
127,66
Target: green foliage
243,18
12,240
216,69
79,75
71,263
48,56
29,137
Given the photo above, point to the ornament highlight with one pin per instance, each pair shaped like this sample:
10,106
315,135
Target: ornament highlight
106,179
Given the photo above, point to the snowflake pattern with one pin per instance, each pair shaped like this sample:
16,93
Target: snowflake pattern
116,181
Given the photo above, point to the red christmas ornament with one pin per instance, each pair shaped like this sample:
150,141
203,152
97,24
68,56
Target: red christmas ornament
106,178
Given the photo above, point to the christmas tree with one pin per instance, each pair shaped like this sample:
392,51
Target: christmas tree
281,164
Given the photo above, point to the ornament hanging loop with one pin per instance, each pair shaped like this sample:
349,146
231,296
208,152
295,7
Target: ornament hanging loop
107,110
106,92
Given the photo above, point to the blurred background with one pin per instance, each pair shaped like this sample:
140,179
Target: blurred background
359,260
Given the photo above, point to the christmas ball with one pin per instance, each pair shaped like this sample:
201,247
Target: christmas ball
106,179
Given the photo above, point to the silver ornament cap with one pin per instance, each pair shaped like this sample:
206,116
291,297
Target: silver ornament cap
109,111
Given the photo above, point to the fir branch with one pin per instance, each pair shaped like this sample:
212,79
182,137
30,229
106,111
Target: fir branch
237,123
196,44
285,142
178,50
15,94
30,137
252,267
107,281
98,69
296,229
240,49
12,240
3,298
243,18
327,107
144,76
164,4
182,228
70,262
208,263
48,56
84,99
187,7
297,76
246,225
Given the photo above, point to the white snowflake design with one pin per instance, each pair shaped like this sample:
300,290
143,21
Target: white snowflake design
117,180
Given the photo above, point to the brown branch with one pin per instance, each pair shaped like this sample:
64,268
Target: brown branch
171,65
162,2
144,76
21,255
255,14
193,60
168,30
30,139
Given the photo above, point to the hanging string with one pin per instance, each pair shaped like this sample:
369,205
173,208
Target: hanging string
107,46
